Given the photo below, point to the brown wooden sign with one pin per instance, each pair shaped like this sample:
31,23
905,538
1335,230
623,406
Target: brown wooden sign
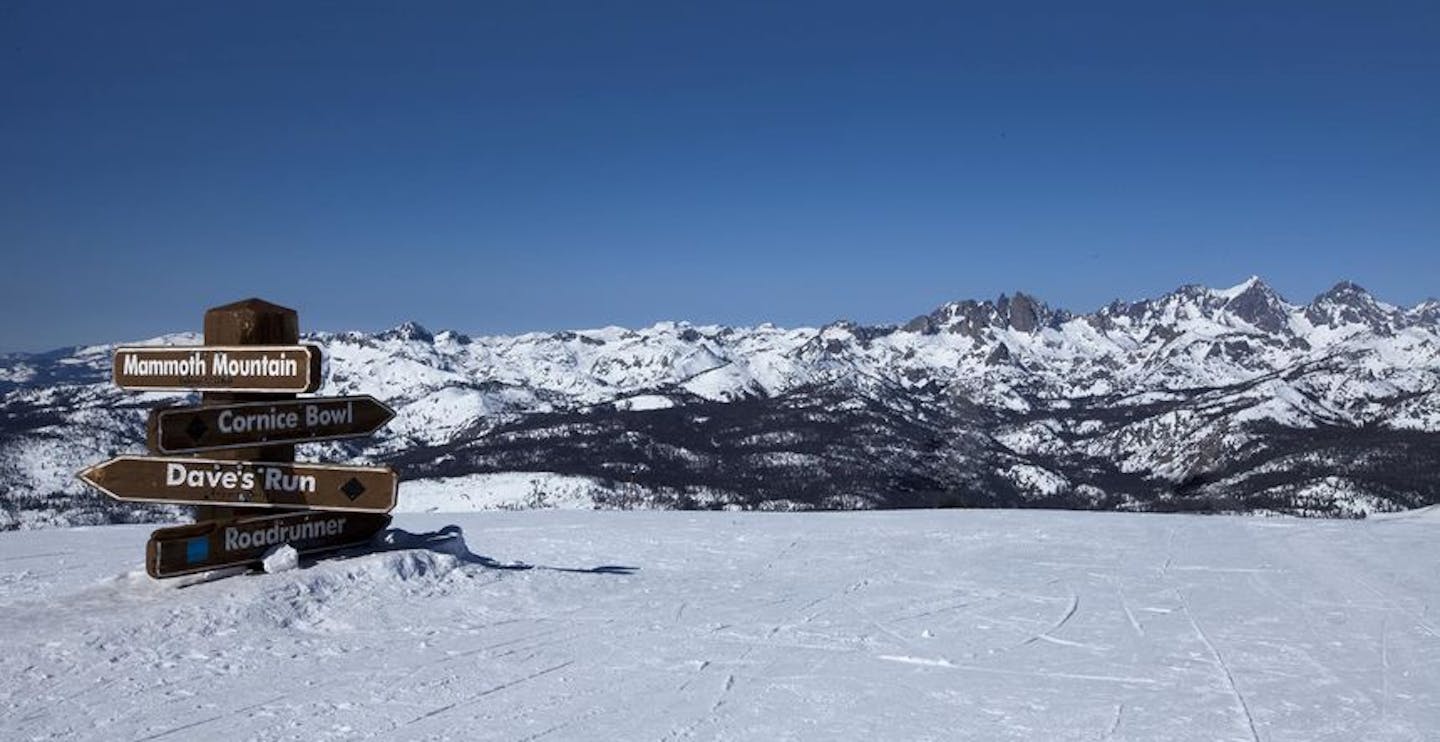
249,371
187,481
232,368
209,428
205,546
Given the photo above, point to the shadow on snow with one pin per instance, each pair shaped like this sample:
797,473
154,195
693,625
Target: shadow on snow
451,540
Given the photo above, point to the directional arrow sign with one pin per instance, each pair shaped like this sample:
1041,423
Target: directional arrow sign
187,429
188,481
211,545
206,368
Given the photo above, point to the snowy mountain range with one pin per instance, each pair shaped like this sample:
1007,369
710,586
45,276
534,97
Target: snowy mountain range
1232,400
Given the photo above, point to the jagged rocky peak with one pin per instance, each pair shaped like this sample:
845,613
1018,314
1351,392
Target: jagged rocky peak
1256,303
408,331
1347,303
1195,300
1107,317
1251,302
966,317
451,336
1190,301
1426,312
1346,292
999,355
1020,312
863,334
1025,313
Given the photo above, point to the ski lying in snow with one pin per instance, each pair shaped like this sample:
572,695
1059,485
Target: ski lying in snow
202,547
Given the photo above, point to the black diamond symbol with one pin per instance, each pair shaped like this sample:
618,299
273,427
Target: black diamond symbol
196,429
353,489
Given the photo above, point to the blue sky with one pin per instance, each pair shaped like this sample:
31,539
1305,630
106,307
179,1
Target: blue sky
499,167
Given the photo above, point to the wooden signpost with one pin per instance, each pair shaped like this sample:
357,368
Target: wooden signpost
247,425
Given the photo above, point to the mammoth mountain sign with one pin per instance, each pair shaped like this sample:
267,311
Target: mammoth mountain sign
241,368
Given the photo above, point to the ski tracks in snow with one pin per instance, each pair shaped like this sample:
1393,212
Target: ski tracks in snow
1048,635
1220,665
448,707
1129,614
964,625
239,712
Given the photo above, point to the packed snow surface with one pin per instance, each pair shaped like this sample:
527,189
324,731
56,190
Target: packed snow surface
913,625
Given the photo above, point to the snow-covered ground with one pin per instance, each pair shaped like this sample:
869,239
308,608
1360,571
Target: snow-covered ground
943,625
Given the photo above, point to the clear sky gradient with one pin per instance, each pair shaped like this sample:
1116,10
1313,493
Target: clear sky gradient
498,167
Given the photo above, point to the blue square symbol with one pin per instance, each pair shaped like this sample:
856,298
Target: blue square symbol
197,550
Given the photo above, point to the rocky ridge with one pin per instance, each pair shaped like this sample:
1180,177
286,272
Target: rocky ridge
1232,400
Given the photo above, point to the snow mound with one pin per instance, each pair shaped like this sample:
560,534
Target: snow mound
282,558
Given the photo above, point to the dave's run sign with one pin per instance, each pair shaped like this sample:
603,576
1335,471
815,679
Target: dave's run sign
187,481
208,428
202,547
241,368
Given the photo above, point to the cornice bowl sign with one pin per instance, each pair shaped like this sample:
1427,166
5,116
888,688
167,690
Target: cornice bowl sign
327,506
192,429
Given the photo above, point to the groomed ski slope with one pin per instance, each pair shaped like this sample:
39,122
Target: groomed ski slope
943,625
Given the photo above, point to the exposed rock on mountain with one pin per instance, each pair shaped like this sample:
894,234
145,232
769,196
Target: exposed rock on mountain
1204,399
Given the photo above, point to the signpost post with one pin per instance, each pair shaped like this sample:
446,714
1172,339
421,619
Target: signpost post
249,371
250,322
